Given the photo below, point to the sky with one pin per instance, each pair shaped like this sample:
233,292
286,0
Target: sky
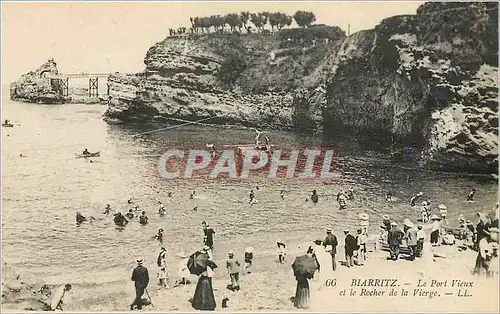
95,37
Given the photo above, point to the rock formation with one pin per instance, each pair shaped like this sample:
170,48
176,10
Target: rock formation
36,87
426,81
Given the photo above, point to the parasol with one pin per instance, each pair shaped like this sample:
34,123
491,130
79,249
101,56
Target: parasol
197,263
304,266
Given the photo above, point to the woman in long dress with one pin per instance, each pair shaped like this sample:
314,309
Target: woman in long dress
204,299
303,293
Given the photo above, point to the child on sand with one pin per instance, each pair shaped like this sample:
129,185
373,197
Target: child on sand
248,259
281,251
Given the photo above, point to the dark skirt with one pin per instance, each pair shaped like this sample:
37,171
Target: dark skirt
204,295
434,236
302,294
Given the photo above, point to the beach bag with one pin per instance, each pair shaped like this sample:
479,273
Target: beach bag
328,248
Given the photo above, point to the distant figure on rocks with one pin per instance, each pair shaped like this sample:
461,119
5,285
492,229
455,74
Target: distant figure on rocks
414,198
130,214
140,277
388,196
350,193
107,209
257,136
252,196
281,251
143,219
314,196
282,194
470,196
341,198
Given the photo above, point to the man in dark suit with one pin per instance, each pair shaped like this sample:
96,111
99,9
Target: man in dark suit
330,243
350,245
140,276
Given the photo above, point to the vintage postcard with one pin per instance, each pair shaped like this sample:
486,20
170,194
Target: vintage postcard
250,156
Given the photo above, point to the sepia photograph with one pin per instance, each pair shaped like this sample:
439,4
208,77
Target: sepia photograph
249,156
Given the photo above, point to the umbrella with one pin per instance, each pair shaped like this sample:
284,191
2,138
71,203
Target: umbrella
304,266
197,263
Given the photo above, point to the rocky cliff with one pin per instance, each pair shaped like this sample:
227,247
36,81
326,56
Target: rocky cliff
36,87
426,81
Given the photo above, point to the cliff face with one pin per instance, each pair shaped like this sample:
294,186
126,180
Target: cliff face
428,81
36,87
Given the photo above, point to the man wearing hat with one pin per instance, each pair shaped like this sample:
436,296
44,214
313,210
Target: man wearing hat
330,243
394,240
350,245
140,277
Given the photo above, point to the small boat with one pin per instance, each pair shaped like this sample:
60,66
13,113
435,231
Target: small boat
96,154
8,125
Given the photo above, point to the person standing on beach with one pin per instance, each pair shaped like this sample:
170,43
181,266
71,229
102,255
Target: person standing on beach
140,277
394,240
209,233
436,227
350,245
362,240
248,259
233,267
143,219
204,299
420,241
411,239
161,261
330,243
281,251
302,292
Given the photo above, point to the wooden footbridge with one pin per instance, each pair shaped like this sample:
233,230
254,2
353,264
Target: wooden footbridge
60,82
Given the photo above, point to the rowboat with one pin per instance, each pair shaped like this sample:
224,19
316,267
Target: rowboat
8,125
96,154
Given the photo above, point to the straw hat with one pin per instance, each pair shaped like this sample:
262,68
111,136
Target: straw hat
386,217
434,217
327,230
140,261
441,206
394,223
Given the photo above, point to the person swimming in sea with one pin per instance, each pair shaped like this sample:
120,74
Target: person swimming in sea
252,196
314,196
120,220
136,208
130,214
86,152
282,194
143,219
470,196
159,236
80,218
388,196
169,194
129,201
161,210
191,196
107,209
